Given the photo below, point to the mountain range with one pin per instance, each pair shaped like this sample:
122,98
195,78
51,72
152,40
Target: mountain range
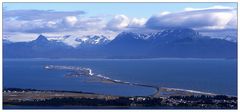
166,43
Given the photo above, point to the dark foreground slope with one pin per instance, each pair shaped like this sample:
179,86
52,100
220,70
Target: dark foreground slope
16,98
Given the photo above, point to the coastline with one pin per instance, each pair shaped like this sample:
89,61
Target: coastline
165,97
129,59
17,98
81,71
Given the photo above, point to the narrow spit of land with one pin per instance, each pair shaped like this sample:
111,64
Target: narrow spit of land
163,98
159,91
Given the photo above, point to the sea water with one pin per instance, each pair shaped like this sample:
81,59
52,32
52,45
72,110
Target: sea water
208,75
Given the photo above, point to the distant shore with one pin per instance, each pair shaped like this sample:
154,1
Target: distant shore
144,58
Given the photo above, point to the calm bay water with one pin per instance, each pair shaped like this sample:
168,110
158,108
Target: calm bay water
207,75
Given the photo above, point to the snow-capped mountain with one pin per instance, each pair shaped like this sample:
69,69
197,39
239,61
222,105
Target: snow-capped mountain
174,42
95,40
168,34
162,36
230,35
176,33
87,40
134,35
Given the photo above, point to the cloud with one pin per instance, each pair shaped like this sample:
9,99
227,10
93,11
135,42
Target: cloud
213,18
39,14
19,36
118,22
38,21
122,22
27,23
70,20
48,21
213,7
33,26
137,22
165,13
90,23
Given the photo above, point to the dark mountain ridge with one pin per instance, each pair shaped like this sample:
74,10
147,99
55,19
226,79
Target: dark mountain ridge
167,43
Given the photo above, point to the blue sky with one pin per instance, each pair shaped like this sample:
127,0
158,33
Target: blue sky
25,21
130,9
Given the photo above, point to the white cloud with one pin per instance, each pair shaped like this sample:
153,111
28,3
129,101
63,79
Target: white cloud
90,23
213,7
122,22
137,22
119,22
27,24
165,13
52,24
29,29
213,18
61,24
70,20
19,37
39,14
232,24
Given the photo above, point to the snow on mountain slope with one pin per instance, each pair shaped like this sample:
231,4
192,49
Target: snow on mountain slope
76,41
175,42
230,35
